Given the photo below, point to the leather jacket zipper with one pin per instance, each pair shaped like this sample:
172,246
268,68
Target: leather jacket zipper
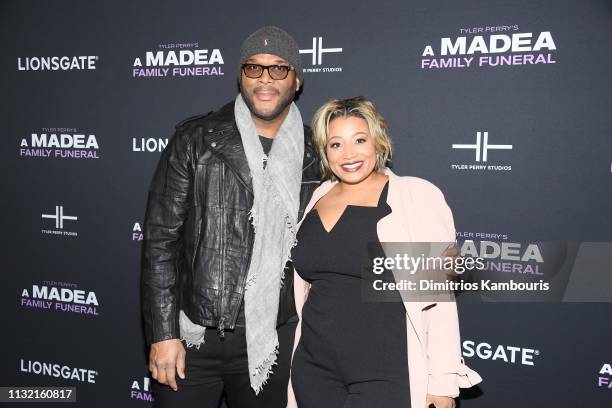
224,165
199,224
220,326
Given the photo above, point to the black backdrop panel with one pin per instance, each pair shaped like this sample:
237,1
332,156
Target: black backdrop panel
83,133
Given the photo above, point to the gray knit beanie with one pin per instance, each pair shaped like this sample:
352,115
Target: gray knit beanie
276,41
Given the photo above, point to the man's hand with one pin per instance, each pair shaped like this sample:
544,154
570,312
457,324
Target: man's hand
440,402
165,360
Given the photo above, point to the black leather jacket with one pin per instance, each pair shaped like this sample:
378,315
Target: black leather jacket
197,235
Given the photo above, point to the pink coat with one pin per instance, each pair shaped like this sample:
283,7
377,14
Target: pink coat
419,214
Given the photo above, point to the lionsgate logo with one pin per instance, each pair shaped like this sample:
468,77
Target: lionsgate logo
60,143
490,47
142,390
317,52
604,379
507,354
483,151
150,144
56,370
179,60
57,63
61,221
137,232
61,297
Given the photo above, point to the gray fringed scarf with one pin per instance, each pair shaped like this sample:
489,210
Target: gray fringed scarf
274,214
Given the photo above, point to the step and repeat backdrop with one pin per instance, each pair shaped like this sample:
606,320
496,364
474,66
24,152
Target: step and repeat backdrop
505,105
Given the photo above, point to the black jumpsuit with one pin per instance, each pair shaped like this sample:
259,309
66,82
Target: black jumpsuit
352,351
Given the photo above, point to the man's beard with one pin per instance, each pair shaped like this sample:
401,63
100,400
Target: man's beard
282,105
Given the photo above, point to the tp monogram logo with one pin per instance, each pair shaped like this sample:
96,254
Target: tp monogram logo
482,148
317,50
59,216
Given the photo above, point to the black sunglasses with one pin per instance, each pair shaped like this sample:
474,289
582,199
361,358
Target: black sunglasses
277,72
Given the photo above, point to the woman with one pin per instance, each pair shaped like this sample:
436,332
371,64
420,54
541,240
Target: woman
350,353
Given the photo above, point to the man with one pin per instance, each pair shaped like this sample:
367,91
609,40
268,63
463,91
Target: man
226,196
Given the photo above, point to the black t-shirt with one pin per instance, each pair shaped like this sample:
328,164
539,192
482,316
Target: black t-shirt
266,143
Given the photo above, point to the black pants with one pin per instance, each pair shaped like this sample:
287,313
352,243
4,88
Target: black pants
317,387
220,365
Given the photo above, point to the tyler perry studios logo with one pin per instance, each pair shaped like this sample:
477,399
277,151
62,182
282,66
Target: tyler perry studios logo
481,151
317,51
179,60
61,221
141,390
507,354
490,47
604,380
60,143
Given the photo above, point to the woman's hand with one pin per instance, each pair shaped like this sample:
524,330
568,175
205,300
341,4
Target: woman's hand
440,402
